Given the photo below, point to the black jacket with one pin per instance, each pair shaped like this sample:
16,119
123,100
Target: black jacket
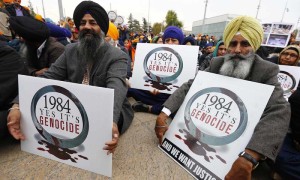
11,64
12,11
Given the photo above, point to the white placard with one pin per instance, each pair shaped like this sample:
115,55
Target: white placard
288,77
214,124
277,34
163,67
67,122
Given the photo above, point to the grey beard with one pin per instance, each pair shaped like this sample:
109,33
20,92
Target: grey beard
237,66
88,48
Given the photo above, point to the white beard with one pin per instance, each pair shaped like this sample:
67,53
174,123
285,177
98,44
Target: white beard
237,67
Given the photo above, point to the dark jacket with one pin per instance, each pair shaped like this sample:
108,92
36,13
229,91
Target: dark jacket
295,115
50,53
12,11
11,64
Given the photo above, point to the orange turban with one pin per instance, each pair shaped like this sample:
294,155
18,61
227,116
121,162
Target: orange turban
113,31
8,1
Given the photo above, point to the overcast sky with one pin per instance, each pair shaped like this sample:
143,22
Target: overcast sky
187,10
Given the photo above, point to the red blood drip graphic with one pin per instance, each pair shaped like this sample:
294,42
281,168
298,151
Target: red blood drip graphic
61,153
197,147
83,157
160,85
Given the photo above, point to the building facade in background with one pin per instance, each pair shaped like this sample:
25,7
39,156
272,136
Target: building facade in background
213,26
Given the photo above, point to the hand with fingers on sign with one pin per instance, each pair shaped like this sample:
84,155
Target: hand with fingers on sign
161,126
13,122
112,145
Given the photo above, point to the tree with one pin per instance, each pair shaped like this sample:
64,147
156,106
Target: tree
157,28
136,26
171,19
145,24
130,22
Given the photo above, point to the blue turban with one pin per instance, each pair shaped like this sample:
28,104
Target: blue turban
209,44
173,32
56,31
189,39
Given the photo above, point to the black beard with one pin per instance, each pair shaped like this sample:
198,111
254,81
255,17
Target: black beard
89,44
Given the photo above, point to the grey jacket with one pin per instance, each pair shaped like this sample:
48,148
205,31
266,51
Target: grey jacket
270,131
109,71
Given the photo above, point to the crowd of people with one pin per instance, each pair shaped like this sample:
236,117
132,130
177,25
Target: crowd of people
89,49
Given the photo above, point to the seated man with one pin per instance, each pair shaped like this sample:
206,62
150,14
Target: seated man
242,37
11,64
152,101
40,50
94,62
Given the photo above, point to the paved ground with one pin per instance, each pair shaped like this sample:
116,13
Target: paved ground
137,157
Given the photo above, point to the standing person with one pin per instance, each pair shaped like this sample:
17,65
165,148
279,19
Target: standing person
40,50
242,37
94,62
124,33
213,40
16,9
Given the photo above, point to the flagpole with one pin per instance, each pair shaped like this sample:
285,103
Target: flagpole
43,9
258,9
284,10
203,22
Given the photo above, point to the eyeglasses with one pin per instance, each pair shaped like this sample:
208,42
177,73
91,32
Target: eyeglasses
242,43
292,55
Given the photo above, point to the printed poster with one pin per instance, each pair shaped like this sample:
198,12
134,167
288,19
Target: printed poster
61,122
214,124
288,77
298,35
277,34
163,67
